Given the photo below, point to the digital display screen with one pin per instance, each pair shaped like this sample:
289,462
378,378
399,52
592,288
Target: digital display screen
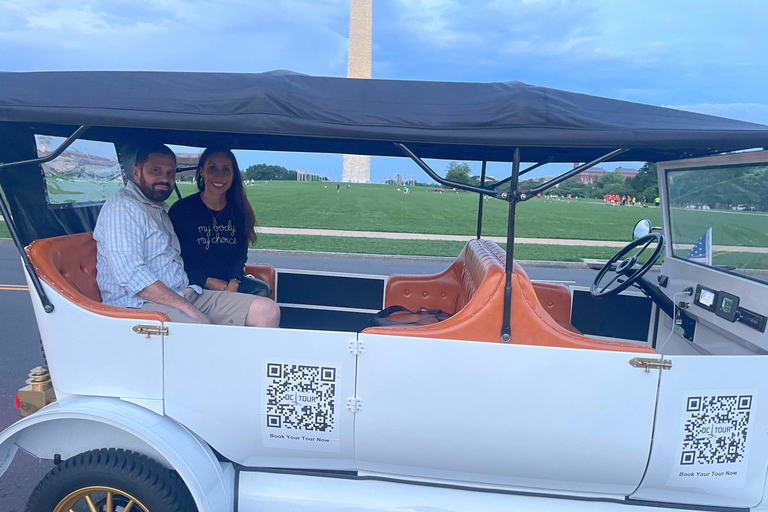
707,298
727,305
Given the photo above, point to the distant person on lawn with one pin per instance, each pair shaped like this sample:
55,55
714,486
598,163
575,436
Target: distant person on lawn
139,258
215,225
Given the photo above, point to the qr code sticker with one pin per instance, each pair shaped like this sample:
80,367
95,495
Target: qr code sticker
715,431
301,397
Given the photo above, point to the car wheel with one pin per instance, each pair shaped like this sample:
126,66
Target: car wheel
109,480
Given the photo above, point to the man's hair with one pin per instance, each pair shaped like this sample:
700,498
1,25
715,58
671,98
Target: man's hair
144,151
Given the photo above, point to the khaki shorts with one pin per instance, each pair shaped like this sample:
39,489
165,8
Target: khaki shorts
223,308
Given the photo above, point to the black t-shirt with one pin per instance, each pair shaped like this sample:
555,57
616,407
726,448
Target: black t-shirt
213,243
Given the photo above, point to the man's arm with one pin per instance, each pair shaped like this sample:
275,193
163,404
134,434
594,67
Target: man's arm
159,293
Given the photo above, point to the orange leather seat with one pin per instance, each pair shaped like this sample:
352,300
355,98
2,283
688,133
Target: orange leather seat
472,288
68,264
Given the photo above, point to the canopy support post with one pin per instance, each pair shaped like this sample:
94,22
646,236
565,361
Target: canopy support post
524,196
480,205
524,171
47,305
506,331
59,150
461,186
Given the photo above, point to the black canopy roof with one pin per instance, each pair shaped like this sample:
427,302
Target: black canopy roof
285,111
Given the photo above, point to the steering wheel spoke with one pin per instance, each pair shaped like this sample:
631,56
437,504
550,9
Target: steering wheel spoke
607,286
626,270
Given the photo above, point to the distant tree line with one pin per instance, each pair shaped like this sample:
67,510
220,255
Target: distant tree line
726,188
263,172
644,184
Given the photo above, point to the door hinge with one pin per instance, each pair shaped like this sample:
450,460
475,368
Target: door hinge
354,404
149,330
648,363
356,347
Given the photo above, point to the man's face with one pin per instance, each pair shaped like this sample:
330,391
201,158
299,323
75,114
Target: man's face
157,177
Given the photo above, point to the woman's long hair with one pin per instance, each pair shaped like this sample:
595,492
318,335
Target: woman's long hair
236,193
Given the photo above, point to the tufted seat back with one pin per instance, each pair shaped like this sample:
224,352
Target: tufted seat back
68,264
79,271
472,288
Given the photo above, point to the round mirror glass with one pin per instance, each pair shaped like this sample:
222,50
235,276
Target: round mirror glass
642,228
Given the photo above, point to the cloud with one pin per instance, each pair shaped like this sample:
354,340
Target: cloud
204,35
751,112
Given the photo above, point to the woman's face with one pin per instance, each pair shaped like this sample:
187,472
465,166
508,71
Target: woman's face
218,173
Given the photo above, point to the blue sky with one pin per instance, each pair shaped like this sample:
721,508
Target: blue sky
707,56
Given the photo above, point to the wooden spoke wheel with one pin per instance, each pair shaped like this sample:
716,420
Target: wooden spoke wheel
110,480
100,499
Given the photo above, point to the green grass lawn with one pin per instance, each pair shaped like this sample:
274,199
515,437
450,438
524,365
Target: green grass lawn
382,208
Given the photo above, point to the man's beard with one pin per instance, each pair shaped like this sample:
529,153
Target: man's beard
158,195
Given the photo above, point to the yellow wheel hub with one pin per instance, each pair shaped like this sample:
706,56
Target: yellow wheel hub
99,498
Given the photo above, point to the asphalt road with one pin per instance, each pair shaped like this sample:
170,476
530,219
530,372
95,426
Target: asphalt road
20,340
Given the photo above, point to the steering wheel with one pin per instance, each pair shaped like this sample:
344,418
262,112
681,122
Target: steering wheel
626,267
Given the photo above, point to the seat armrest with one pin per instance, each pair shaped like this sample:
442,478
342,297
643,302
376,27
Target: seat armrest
434,291
264,272
102,309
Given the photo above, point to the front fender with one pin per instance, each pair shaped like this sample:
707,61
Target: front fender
75,425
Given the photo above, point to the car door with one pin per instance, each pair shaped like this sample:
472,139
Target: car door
709,445
544,418
264,397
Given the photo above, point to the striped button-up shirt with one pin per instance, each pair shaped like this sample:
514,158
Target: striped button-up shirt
136,246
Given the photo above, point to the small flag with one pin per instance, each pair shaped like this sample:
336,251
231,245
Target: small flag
702,251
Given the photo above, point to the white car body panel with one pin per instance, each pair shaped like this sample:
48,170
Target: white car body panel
95,355
672,479
270,492
225,403
421,399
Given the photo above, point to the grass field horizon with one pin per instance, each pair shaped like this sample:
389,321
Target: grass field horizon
378,207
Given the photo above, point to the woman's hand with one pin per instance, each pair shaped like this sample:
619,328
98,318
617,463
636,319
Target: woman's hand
216,284
233,285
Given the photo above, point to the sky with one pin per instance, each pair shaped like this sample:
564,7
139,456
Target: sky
707,56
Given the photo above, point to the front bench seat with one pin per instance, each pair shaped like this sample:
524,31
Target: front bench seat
480,271
68,265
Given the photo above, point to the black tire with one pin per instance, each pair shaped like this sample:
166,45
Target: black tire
156,488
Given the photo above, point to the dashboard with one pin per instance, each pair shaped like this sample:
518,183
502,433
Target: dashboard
726,305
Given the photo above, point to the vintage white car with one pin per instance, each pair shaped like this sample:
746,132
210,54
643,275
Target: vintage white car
527,396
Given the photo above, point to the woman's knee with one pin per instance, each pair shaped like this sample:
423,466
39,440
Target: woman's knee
263,313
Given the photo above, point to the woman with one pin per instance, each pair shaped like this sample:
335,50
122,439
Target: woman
215,225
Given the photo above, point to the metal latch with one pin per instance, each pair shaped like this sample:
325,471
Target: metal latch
354,404
356,347
150,330
648,363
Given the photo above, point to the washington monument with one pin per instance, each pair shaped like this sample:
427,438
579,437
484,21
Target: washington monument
357,168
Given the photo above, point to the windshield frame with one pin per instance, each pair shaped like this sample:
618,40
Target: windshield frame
740,159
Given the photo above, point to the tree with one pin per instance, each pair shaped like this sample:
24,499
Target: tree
646,177
268,172
458,172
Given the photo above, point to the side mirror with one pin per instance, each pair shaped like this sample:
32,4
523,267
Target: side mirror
642,228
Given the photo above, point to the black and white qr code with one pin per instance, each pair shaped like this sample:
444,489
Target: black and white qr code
301,397
716,429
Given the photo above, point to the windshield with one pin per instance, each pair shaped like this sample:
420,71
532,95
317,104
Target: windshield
719,217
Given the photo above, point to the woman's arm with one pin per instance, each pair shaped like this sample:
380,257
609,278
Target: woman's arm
237,266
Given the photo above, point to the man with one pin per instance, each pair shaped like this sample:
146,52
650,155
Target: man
138,255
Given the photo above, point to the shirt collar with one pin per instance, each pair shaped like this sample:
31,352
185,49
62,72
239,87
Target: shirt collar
133,190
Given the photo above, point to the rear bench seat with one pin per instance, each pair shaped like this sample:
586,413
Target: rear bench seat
472,289
68,265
